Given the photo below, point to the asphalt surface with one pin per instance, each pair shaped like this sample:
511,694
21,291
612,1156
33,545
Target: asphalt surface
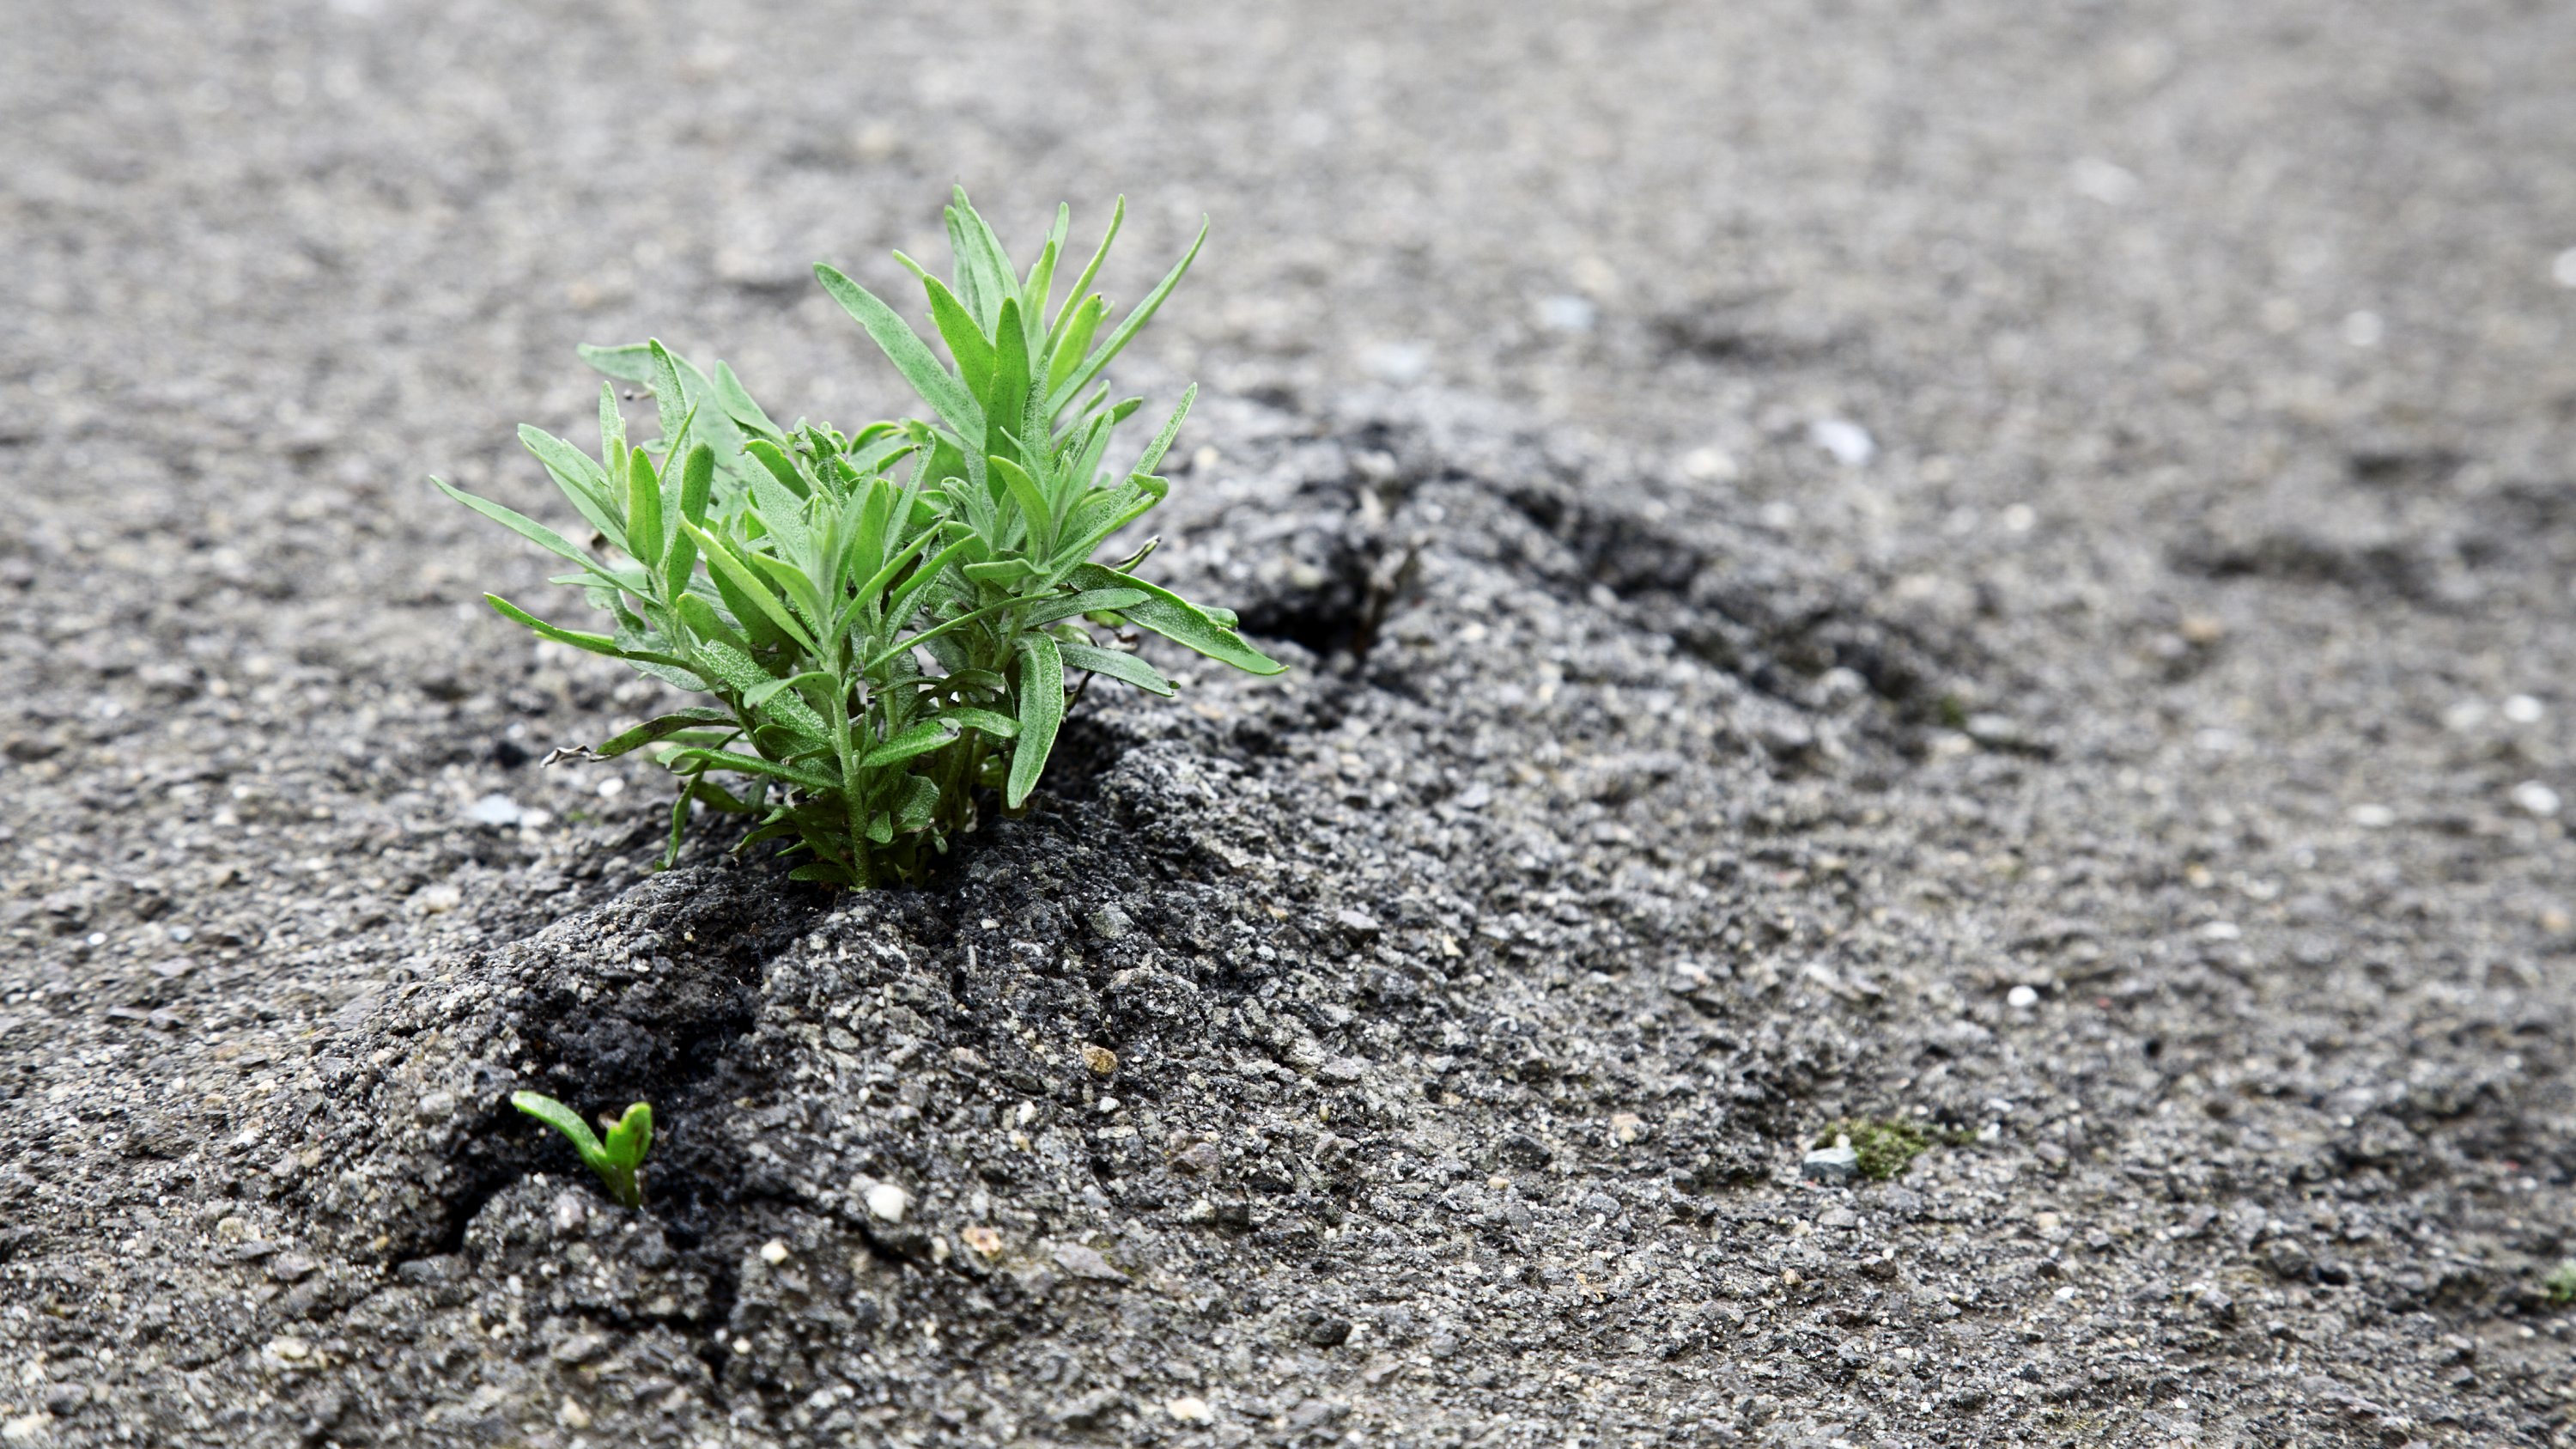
1998,569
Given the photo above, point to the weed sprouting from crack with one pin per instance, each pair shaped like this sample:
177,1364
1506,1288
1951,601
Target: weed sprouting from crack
879,650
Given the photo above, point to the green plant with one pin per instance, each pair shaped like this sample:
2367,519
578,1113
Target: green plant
2560,1286
1885,1148
617,1160
878,649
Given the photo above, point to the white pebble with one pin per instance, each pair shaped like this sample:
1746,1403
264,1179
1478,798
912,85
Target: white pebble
886,1202
2363,329
2465,716
2563,270
1190,1409
2372,817
1849,442
774,1252
2021,998
494,810
2536,798
2523,709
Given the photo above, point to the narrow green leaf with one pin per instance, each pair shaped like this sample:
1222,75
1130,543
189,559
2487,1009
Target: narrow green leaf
910,355
920,799
1048,609
907,644
631,1138
921,739
564,1120
1128,328
1000,726
899,608
966,340
670,396
631,362
594,643
581,480
1125,668
527,528
748,584
1032,501
737,404
1082,284
760,694
644,533
754,765
1176,619
1163,440
1065,347
658,728
1041,711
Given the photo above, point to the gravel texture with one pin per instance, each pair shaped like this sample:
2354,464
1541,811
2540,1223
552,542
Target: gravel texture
1985,579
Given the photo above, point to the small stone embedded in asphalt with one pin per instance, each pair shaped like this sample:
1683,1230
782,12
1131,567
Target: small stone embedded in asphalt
1110,923
1839,1163
1994,731
495,810
1083,1262
581,1348
1327,1330
886,1202
1848,442
291,1267
2022,998
1190,1409
571,1212
773,1252
2536,799
986,1242
1359,925
1100,1059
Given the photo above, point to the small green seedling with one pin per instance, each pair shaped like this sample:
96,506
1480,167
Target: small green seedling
1885,1148
2560,1285
618,1159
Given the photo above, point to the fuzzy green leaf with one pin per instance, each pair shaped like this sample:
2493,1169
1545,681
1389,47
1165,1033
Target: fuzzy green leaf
1125,668
910,355
1041,711
921,739
1178,620
660,727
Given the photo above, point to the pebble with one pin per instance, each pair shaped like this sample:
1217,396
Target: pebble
572,1415
1849,442
581,1348
1100,1059
1084,1262
2372,817
2523,709
571,1211
494,810
2021,998
1190,1409
1831,1164
439,899
293,1350
1110,923
1995,731
985,1241
773,1252
1566,312
25,1429
2535,798
886,1202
